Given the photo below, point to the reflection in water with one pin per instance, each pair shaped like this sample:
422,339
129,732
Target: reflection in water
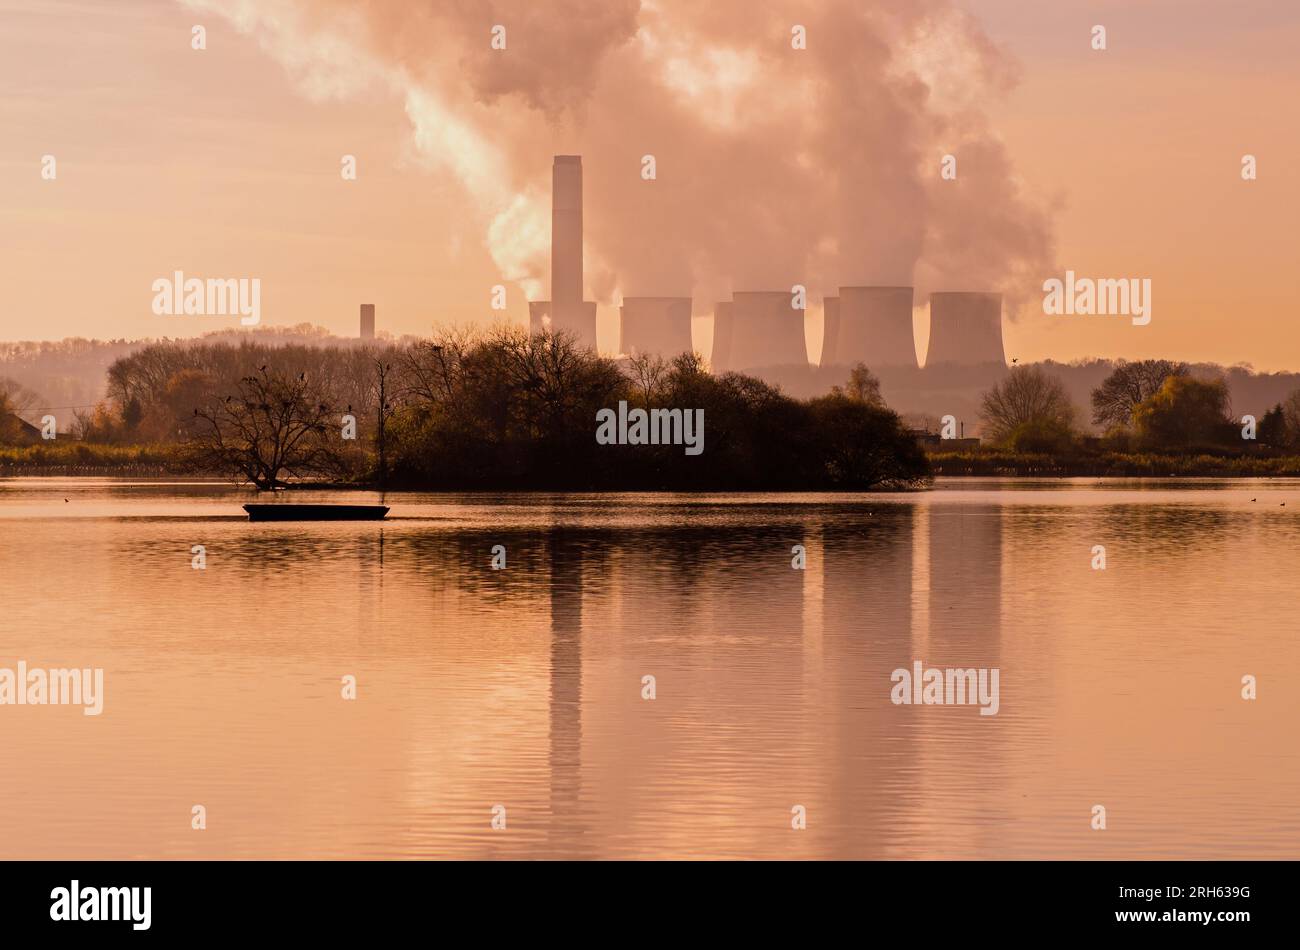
566,584
523,686
868,611
965,581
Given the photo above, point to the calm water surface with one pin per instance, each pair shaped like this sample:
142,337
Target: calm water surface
522,687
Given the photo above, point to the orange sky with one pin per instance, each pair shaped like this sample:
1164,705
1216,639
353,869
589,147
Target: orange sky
225,162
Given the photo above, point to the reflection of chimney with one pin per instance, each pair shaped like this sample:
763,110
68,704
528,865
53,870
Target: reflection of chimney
565,758
876,326
567,310
367,321
767,330
656,325
965,328
830,331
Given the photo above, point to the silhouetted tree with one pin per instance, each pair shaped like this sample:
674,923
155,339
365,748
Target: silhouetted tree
1291,419
1272,428
273,429
862,445
520,410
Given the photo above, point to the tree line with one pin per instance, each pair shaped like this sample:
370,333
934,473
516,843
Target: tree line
498,409
1141,406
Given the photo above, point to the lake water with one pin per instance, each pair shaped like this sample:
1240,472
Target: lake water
523,687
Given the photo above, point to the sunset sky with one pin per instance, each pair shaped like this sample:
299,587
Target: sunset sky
224,162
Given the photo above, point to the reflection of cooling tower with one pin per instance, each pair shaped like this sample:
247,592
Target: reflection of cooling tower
767,331
830,331
876,326
720,355
965,328
965,584
656,325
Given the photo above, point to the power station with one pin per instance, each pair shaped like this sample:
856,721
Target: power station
756,329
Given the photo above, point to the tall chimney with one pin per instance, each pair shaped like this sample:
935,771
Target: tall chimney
367,321
566,311
566,231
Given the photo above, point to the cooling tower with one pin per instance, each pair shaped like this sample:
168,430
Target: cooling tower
875,327
720,355
766,330
367,321
655,325
539,316
965,328
830,331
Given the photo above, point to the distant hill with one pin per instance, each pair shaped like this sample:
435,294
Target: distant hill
73,372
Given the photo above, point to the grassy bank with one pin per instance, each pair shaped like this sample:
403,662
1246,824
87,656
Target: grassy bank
85,458
1112,464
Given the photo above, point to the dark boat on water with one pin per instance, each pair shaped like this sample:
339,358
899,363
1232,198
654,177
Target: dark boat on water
296,512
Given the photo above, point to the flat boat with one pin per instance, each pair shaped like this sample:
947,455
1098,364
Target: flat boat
286,511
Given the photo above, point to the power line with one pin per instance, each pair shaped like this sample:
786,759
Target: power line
53,408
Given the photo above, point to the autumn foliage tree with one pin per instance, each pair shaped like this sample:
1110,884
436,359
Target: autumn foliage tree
1128,385
1185,413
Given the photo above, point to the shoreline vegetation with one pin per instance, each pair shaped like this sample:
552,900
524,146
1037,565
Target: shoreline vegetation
81,460
503,410
495,410
995,463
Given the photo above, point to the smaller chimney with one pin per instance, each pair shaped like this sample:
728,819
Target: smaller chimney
367,321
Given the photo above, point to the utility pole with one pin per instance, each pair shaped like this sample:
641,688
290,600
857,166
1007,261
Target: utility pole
382,368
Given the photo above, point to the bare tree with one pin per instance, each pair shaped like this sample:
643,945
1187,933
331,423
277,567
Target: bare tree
1129,385
1027,397
647,371
275,428
383,369
432,370
863,386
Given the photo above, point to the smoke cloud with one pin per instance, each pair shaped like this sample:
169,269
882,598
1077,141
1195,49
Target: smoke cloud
775,166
